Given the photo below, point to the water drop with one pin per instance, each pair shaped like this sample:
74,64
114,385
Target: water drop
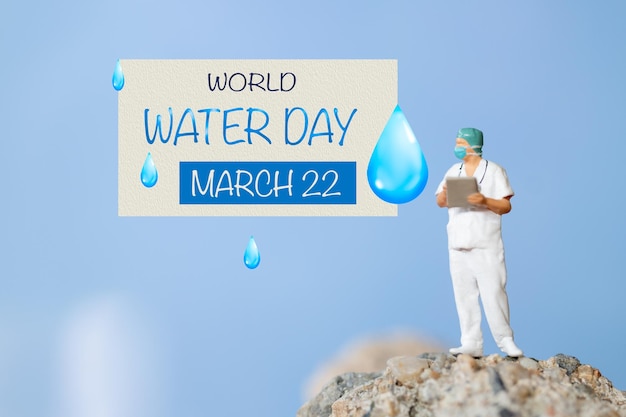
251,256
149,174
397,171
118,77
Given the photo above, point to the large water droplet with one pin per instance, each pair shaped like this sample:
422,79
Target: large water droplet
149,174
397,171
251,257
118,77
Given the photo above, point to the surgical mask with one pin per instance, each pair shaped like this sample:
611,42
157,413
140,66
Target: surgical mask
461,151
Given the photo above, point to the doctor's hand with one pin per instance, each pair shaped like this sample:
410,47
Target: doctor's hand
477,199
501,206
442,197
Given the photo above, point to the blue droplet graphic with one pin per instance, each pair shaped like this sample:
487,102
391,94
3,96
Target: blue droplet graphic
118,77
251,257
149,174
397,171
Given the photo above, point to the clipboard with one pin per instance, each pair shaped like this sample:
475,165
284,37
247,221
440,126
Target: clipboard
459,188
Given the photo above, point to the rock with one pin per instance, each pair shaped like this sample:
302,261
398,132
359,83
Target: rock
320,406
368,354
438,384
406,370
569,363
529,363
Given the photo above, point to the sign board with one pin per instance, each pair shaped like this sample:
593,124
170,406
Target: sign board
251,137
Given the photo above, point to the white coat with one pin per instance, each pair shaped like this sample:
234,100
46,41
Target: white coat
477,264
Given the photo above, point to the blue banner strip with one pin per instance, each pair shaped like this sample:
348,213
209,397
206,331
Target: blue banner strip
267,183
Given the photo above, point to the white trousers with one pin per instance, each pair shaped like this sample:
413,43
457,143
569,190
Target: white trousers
480,273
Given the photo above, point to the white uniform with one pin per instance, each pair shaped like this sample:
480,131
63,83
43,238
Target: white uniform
477,263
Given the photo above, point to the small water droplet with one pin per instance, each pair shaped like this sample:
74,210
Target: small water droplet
149,174
251,256
118,77
397,171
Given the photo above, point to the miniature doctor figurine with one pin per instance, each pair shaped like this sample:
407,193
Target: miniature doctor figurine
475,245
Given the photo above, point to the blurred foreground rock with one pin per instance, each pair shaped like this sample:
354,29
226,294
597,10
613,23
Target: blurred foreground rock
439,384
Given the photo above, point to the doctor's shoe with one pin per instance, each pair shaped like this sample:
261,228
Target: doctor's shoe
508,346
475,352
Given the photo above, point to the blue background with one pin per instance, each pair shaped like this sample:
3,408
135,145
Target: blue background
160,317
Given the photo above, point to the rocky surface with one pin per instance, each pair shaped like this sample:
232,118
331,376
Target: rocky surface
368,354
439,384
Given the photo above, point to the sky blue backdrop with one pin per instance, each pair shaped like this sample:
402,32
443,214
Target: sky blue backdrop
169,302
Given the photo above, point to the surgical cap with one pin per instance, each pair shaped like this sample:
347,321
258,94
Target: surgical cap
473,136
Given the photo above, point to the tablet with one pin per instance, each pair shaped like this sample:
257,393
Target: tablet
459,188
